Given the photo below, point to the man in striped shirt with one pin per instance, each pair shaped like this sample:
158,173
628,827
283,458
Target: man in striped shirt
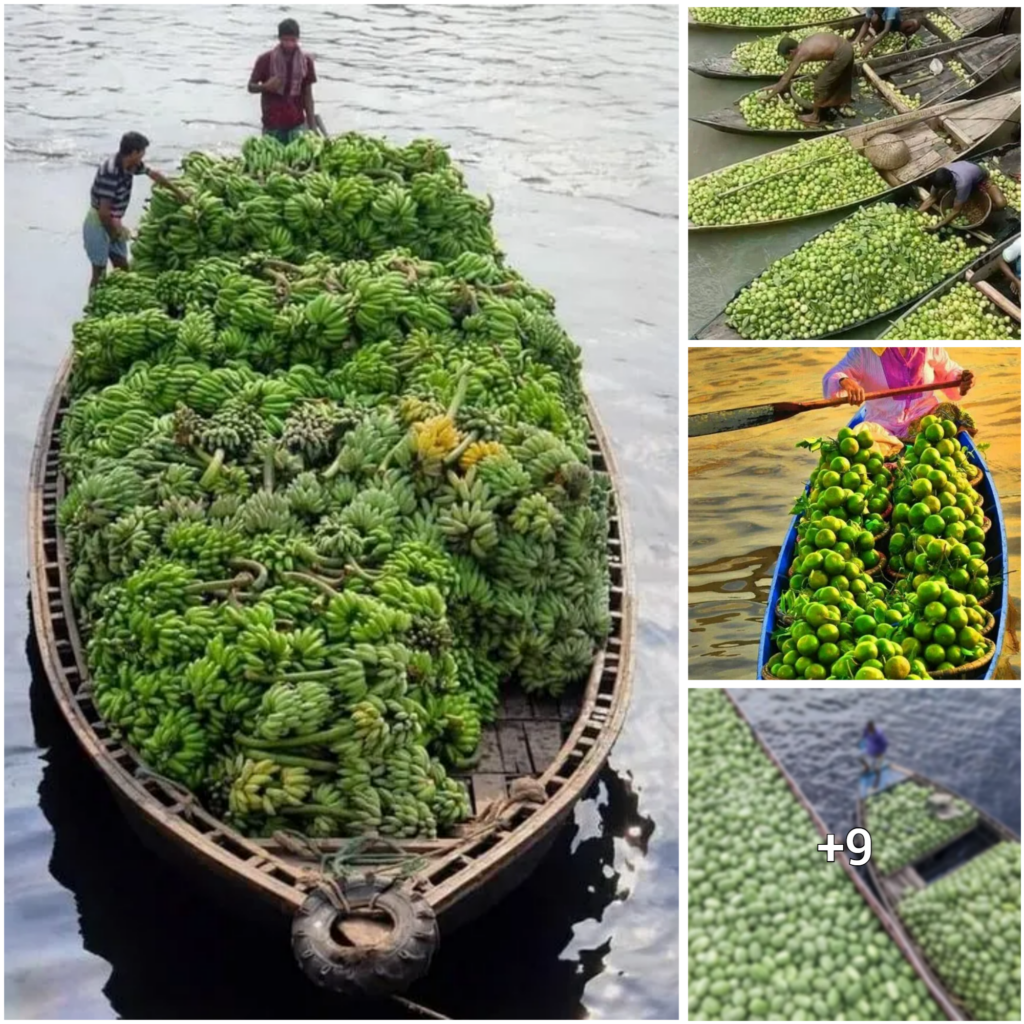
106,238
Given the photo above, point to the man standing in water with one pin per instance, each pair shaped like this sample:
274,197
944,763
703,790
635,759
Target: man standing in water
833,88
284,78
105,237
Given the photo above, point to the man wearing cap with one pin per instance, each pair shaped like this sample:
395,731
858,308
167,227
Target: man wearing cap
284,78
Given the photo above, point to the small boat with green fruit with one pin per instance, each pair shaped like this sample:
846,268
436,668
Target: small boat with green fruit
848,588
836,172
932,853
888,85
770,19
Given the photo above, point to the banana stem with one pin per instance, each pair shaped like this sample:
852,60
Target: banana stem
456,453
313,810
258,570
243,579
313,739
212,471
290,761
311,581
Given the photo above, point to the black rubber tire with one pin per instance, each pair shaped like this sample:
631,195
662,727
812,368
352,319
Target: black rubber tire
365,971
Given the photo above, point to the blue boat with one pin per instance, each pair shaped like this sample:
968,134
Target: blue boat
995,552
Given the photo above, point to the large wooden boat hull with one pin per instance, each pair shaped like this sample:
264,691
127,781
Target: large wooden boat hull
995,551
893,887
562,745
964,126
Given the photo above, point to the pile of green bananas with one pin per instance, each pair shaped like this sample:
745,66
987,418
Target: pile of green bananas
811,177
961,314
876,260
320,513
351,196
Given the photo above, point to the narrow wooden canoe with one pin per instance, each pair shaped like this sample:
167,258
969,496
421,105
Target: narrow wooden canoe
970,20
922,872
849,21
892,927
536,762
995,551
983,59
719,329
936,136
986,278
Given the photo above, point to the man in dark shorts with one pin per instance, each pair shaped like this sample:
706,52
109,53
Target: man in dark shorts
966,178
882,21
833,88
105,237
284,78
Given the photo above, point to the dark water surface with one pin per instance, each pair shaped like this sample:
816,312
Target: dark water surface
568,117
967,739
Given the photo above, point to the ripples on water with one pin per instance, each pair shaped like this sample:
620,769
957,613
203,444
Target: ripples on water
742,485
568,116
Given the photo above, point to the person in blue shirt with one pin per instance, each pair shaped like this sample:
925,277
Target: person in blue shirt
882,21
873,744
965,178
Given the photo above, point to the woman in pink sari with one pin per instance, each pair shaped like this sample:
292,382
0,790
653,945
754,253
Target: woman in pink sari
864,370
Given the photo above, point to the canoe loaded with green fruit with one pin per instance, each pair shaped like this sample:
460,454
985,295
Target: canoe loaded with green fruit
891,569
949,876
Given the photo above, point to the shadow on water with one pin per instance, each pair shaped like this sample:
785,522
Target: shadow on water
174,953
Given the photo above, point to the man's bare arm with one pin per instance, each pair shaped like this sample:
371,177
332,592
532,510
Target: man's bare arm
307,103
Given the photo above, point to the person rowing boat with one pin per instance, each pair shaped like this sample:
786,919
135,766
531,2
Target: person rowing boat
875,369
833,88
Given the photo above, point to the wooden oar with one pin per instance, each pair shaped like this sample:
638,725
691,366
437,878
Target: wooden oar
757,415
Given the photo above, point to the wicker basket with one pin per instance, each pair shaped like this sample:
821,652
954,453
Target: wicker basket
786,620
970,666
989,625
887,152
977,480
976,209
878,569
987,525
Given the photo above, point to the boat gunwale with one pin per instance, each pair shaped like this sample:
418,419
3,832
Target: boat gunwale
735,124
892,927
925,114
265,872
779,576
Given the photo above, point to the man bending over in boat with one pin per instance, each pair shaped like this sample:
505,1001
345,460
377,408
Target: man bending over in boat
884,369
882,21
967,179
874,745
833,88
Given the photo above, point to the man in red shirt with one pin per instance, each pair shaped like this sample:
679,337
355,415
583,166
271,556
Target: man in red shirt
284,79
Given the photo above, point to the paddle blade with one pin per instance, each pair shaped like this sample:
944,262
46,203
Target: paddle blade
702,423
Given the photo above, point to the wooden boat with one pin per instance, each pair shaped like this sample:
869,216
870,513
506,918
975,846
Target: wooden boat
935,137
959,849
535,764
995,551
853,18
891,926
981,58
719,329
986,278
970,20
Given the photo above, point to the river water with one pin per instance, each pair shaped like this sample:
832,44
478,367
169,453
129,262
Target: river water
568,116
720,262
742,485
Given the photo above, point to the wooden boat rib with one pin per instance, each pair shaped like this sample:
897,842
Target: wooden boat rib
970,20
995,551
935,137
910,952
719,329
853,18
981,277
983,59
559,745
893,887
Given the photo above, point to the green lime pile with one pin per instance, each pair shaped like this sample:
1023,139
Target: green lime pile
904,826
775,933
810,177
767,17
1010,187
961,72
761,57
778,113
962,314
968,925
876,260
913,102
946,26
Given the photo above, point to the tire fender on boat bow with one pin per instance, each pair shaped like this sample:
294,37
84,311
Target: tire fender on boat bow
365,938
